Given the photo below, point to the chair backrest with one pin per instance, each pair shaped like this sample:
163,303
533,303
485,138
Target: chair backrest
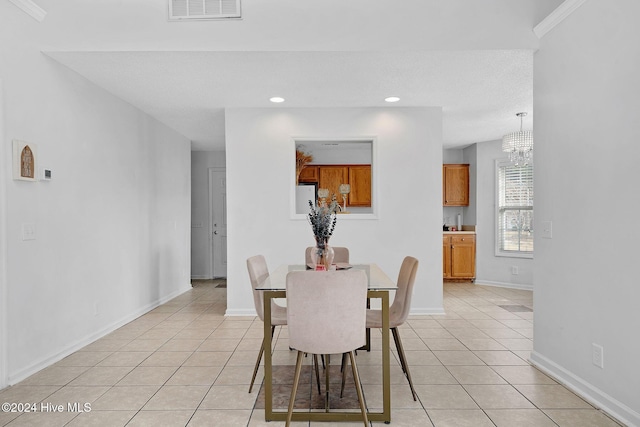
399,310
326,310
258,271
340,254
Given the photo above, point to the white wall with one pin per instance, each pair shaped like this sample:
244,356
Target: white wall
492,269
201,161
260,176
587,131
3,254
470,156
112,227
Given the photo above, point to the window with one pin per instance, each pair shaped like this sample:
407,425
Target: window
514,210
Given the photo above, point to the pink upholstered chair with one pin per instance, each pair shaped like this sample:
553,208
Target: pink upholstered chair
326,314
258,272
399,311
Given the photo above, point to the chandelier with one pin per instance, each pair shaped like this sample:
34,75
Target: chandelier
519,145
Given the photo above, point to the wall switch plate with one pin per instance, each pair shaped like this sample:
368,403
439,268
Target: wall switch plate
547,229
514,270
597,355
28,231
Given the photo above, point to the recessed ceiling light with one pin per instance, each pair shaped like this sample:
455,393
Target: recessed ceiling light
392,99
276,99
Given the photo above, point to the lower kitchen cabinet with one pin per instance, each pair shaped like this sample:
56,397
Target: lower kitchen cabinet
459,256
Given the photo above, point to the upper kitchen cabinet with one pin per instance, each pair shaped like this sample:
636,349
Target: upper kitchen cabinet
360,182
455,185
328,164
330,177
308,174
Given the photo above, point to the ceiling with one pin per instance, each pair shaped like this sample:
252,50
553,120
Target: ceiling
480,89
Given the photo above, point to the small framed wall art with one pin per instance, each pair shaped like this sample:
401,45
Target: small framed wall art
25,161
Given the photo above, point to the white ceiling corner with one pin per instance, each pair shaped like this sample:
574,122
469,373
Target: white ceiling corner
31,9
557,16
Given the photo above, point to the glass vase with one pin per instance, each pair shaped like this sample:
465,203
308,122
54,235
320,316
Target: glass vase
322,256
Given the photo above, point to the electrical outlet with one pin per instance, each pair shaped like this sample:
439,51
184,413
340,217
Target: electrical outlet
597,355
514,270
547,229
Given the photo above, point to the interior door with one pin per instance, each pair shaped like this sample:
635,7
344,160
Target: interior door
218,221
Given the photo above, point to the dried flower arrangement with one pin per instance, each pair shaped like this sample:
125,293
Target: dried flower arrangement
323,222
302,160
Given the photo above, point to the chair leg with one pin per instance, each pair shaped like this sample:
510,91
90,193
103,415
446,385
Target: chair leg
356,380
326,386
255,370
403,360
344,373
317,369
296,378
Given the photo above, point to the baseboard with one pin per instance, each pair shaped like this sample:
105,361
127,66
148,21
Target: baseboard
200,277
78,344
522,286
240,312
588,392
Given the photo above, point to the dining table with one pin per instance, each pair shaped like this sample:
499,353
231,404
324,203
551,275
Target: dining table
379,286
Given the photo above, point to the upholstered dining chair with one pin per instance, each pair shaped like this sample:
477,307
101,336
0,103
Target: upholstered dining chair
326,314
399,311
258,272
340,254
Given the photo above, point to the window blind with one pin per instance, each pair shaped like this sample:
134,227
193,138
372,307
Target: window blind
515,209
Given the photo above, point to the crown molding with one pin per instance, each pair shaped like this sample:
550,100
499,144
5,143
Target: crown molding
31,9
556,17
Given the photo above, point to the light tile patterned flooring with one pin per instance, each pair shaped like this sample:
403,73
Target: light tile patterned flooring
184,363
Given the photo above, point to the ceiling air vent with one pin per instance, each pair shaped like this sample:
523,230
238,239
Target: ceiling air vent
203,9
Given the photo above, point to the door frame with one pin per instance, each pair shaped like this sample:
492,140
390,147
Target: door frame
4,160
210,237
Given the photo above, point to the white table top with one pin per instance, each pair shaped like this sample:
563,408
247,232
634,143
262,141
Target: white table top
378,280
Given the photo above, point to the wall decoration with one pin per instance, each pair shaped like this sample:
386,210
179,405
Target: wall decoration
25,156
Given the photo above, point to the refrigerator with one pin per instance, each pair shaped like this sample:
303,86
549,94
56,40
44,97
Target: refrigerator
304,193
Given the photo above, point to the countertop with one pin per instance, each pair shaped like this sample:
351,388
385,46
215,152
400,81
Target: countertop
466,229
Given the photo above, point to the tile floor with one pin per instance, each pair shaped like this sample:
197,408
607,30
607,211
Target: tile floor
184,363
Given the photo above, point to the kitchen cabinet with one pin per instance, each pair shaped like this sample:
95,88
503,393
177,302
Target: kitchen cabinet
360,182
331,176
459,256
308,174
455,185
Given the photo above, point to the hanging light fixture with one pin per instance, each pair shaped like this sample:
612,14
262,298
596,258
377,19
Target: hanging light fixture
519,145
